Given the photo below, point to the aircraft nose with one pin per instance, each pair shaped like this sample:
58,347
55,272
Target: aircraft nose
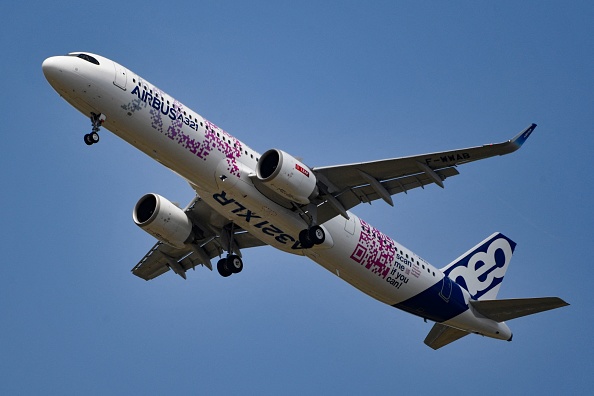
51,68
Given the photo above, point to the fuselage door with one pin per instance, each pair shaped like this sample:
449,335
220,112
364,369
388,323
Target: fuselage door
120,76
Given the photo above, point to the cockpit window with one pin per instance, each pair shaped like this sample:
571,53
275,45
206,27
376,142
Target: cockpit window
88,58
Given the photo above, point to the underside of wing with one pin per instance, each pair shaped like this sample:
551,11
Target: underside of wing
366,193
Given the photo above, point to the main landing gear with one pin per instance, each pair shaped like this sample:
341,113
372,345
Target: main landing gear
233,263
230,265
93,137
312,236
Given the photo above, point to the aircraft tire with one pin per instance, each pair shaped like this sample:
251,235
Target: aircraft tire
223,269
317,235
88,139
94,137
306,243
234,263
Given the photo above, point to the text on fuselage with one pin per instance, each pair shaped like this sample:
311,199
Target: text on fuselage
377,252
201,144
255,220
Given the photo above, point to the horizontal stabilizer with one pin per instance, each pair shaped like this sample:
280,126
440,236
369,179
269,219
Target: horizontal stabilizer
502,310
441,335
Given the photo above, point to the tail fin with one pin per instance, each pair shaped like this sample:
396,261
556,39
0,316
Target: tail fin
502,310
480,270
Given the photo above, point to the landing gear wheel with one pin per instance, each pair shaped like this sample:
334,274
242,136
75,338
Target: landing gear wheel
234,263
317,235
94,137
306,243
96,120
223,268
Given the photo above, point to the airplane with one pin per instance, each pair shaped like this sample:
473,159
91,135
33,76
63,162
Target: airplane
246,199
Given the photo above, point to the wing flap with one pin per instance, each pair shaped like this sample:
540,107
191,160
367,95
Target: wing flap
365,193
150,266
157,261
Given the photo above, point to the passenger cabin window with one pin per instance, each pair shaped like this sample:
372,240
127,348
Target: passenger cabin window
88,58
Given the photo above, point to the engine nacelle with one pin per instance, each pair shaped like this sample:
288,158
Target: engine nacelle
287,176
163,220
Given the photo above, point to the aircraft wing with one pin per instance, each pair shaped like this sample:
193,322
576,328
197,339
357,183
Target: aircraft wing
351,184
216,231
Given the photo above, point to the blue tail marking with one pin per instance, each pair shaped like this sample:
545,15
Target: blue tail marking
481,270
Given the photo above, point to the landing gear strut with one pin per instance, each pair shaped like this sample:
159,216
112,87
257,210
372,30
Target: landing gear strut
96,121
313,234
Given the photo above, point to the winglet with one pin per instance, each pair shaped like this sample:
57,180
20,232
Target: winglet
520,138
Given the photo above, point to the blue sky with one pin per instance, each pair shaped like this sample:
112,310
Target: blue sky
332,82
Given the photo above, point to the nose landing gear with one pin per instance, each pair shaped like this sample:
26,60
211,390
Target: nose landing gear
93,137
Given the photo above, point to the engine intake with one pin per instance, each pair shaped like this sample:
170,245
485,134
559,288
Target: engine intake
163,220
287,176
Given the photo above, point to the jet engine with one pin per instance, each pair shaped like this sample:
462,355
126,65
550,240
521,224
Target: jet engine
287,176
163,220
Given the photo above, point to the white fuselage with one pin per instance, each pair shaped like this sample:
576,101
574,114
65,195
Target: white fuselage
219,167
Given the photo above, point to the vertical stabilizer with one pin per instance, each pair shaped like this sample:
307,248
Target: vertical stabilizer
481,270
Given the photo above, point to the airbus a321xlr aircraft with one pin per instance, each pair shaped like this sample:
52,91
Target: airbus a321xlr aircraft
246,199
